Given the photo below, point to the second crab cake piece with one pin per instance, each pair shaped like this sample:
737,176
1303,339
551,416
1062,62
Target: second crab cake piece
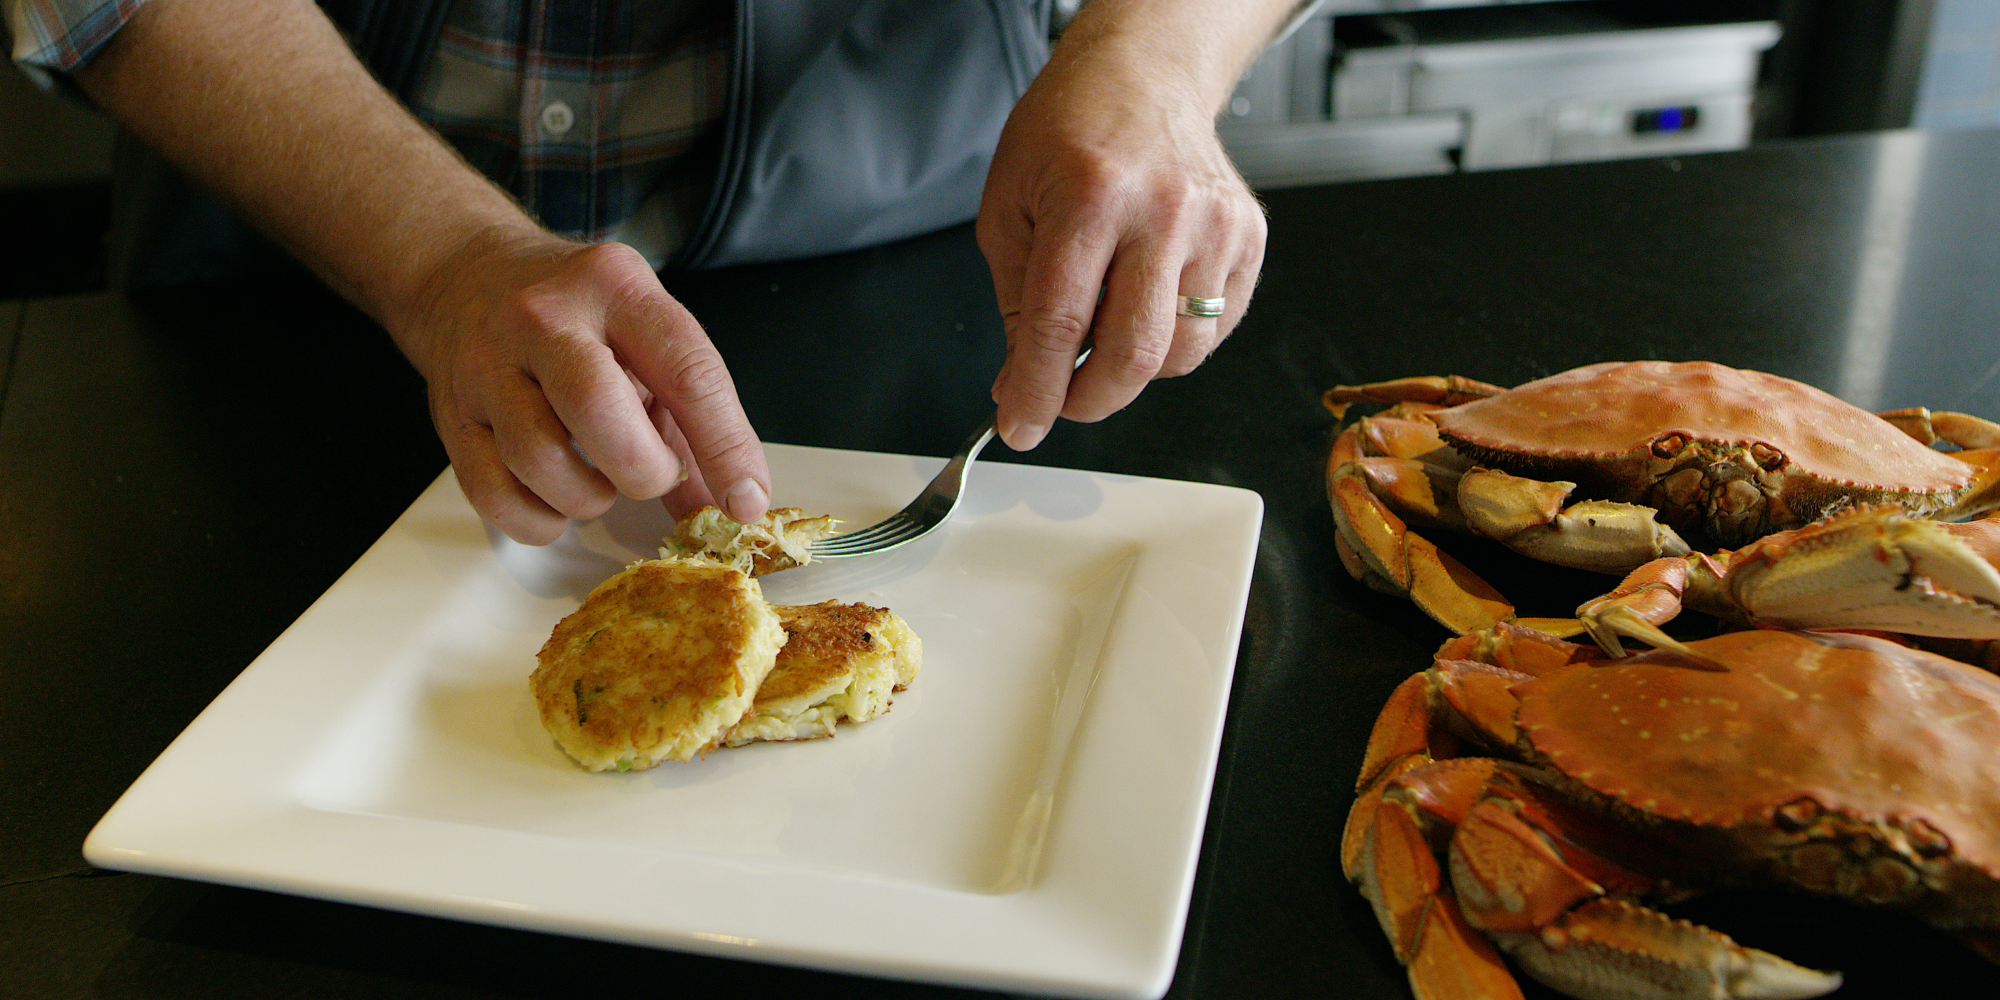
840,662
659,663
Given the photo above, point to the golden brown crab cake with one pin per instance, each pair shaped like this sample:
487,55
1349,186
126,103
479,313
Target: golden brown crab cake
839,662
658,664
781,539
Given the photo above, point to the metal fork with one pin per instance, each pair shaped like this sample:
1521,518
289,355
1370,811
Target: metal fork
920,518
924,514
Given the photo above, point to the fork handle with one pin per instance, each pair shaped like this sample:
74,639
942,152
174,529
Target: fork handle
961,461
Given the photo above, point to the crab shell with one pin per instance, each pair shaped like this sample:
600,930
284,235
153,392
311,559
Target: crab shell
1847,763
1725,455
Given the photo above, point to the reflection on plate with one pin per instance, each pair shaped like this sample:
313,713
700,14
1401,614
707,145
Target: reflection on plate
1027,817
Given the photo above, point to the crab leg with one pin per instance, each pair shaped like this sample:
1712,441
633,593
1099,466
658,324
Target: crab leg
1439,390
1402,431
1961,430
1386,474
1647,598
1396,870
1872,568
1405,465
1566,916
1379,549
1978,442
1607,947
1984,493
1515,870
1406,793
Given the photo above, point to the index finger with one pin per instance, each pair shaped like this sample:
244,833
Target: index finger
597,405
672,357
1047,305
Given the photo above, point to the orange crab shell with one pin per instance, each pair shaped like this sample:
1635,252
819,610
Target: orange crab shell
1597,425
1799,724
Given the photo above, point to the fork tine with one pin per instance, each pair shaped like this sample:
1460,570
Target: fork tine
925,514
894,530
888,525
875,538
893,527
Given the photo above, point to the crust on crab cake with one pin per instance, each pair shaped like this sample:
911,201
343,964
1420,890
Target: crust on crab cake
658,664
840,662
781,539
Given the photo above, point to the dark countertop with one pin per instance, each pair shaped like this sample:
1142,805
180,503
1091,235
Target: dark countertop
182,474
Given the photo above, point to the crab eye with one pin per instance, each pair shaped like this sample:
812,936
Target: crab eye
1669,445
1768,458
1928,840
1797,814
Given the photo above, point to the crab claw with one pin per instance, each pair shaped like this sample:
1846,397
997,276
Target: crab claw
1646,598
1529,516
1607,947
1872,568
1565,914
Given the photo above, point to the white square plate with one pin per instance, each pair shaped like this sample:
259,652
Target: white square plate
1026,818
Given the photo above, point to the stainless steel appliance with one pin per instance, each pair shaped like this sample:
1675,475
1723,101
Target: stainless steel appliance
1433,91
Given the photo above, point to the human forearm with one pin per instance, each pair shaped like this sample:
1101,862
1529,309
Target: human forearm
1195,50
560,375
262,102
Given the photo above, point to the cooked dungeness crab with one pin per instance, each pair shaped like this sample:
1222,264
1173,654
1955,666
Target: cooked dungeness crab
1613,466
1520,794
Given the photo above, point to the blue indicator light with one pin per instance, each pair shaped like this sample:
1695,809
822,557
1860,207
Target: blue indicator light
1674,119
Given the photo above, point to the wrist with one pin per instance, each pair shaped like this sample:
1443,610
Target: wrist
441,288
1186,53
400,260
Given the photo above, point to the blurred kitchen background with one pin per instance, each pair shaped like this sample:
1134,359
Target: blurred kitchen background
1357,89
1379,88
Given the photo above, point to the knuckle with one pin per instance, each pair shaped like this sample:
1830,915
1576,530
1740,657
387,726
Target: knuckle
529,463
1228,217
507,512
589,506
1178,365
1017,391
1177,201
695,375
631,283
1191,354
1037,397
1139,361
583,382
733,451
1052,332
1096,176
1092,411
612,256
593,402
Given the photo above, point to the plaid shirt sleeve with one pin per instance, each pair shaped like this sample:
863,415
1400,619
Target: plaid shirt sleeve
60,36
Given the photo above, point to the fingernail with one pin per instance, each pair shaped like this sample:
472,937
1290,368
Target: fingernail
1024,437
746,501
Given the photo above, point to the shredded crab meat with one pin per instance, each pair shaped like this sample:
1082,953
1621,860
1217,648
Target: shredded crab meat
781,539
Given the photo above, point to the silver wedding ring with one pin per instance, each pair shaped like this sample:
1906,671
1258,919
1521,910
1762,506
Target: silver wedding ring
1195,305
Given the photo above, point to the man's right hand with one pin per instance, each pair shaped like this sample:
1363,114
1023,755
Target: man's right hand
562,375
